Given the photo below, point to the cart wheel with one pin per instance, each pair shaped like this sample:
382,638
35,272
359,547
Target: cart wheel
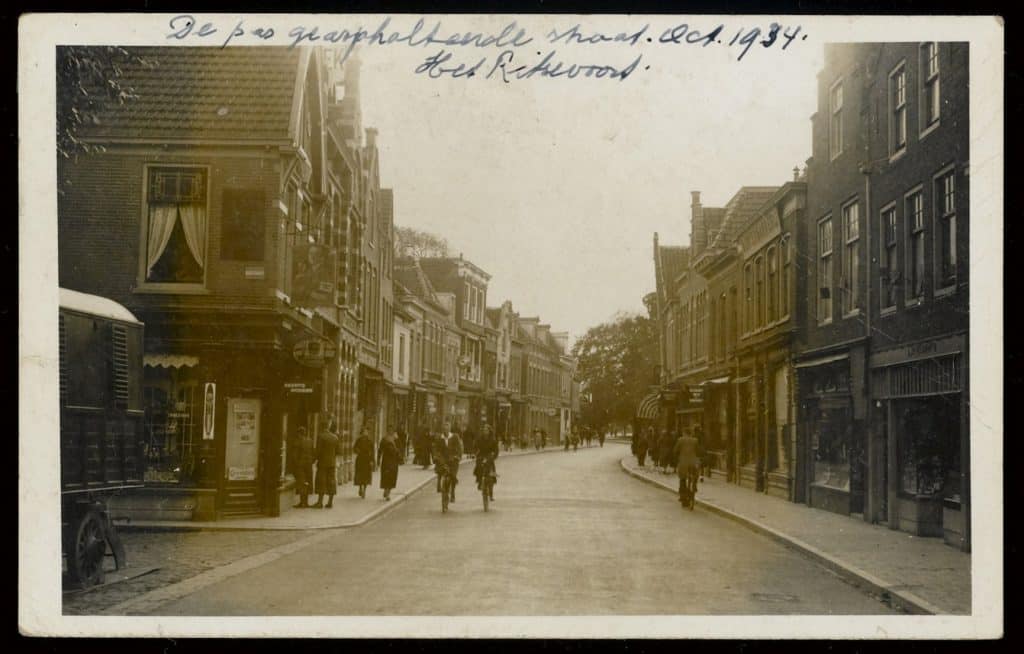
85,560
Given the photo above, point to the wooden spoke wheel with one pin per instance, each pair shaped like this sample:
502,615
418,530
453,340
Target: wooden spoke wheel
87,551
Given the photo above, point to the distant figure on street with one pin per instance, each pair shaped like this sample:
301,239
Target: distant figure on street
536,439
574,438
486,453
453,445
421,447
363,449
469,441
567,440
665,445
600,437
387,460
326,466
439,454
543,438
303,467
702,453
641,448
403,445
685,452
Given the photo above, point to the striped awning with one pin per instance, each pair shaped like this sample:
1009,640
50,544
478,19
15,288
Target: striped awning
648,407
170,360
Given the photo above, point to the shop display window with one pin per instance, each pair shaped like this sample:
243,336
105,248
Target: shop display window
929,447
171,431
832,443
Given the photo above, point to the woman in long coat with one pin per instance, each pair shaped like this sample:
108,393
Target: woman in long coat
387,458
363,448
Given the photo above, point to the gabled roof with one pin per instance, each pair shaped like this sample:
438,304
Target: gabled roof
493,317
236,93
409,275
671,261
739,212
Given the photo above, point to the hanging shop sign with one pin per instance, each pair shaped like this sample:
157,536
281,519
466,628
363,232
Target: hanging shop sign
209,407
314,352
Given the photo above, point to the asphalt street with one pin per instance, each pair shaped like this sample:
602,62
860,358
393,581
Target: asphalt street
569,534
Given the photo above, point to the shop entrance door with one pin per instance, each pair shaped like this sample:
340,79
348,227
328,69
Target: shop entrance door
241,458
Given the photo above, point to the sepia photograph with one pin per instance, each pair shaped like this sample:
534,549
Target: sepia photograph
526,325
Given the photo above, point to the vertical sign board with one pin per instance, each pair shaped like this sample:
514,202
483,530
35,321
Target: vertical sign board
209,407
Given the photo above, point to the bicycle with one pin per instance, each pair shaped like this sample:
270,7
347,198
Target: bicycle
446,489
487,480
688,489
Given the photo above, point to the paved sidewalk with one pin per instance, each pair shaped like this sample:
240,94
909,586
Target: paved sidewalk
349,509
920,575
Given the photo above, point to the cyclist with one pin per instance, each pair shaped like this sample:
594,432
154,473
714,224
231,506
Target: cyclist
486,453
685,454
439,455
454,451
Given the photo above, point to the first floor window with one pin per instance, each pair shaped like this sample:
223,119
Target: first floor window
930,98
176,225
915,263
851,258
825,270
945,210
887,264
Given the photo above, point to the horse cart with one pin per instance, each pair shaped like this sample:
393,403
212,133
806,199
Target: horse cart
101,423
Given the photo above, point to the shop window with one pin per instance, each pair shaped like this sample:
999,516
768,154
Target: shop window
170,431
175,239
929,446
832,442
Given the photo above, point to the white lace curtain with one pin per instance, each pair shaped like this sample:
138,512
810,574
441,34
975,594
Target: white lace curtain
161,225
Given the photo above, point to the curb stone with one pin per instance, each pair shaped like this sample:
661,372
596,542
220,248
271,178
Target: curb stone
900,599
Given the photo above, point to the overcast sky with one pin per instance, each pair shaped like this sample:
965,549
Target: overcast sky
554,186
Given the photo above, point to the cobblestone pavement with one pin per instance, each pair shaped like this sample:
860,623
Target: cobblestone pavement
178,556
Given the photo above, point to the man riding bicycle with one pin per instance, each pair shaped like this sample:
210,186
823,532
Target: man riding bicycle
687,467
486,453
446,450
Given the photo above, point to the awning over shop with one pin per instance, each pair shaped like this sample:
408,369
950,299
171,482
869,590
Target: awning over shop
170,360
716,380
742,380
648,407
820,361
398,390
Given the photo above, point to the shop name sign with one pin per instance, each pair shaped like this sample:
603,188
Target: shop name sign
696,394
298,387
928,347
313,352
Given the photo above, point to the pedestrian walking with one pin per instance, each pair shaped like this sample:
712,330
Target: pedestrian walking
600,437
575,438
303,467
421,447
536,439
665,446
702,453
363,449
403,445
641,448
543,438
388,456
326,466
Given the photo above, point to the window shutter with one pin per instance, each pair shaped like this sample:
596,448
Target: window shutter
119,347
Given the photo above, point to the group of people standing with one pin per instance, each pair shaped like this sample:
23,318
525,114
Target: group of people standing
587,435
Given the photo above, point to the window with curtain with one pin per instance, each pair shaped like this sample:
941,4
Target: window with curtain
176,225
825,270
888,267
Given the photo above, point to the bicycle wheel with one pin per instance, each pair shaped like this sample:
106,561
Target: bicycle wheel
485,487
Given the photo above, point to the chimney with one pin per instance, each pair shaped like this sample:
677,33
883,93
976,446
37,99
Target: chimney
655,246
698,230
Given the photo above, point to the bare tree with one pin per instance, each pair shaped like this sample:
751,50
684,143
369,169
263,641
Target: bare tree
411,242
